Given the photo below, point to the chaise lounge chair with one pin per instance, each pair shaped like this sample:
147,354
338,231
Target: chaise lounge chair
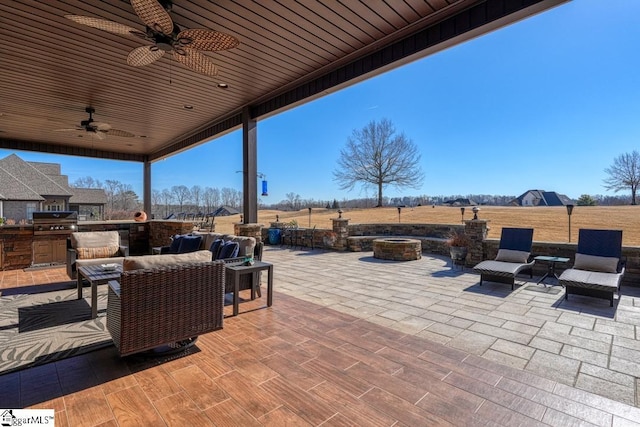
598,267
513,257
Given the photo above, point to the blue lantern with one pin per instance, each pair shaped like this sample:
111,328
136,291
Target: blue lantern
264,188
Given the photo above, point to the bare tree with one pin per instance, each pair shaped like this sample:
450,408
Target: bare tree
167,198
87,182
181,194
375,157
196,195
624,174
111,189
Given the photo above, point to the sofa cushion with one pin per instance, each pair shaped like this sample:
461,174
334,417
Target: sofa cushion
97,252
189,244
603,264
246,245
94,239
154,261
98,261
510,255
208,238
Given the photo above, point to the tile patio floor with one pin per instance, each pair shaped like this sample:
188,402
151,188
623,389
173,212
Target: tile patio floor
581,342
352,340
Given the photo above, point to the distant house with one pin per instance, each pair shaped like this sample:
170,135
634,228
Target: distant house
27,187
541,198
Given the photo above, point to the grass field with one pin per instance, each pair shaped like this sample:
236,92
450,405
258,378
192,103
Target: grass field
549,223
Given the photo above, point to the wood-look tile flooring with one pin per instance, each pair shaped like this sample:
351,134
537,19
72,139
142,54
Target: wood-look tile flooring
302,364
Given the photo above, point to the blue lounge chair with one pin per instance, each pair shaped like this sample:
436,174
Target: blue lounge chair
514,257
598,267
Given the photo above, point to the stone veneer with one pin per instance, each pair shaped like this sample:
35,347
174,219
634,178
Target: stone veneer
397,249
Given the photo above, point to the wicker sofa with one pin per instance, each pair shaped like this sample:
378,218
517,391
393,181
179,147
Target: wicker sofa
94,248
165,301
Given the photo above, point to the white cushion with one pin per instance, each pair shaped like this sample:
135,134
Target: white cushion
604,264
510,255
94,239
154,261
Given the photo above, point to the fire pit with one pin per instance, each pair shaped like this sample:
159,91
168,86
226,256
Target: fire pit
397,249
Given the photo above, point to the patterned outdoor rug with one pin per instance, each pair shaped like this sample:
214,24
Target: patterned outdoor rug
38,328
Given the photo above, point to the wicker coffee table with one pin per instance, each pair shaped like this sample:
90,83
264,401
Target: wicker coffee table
96,275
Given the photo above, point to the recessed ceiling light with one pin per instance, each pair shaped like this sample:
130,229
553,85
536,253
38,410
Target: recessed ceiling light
223,85
187,107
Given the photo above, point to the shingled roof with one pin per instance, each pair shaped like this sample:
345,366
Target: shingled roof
88,196
13,189
29,176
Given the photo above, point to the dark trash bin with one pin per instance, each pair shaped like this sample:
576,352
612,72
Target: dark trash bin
274,236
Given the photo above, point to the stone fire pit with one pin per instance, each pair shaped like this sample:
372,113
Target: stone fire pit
397,249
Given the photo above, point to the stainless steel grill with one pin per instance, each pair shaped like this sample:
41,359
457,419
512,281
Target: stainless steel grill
55,222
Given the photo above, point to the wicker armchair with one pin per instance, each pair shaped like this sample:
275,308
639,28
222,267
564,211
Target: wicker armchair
151,308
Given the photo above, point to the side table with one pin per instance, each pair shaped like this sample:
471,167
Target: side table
551,270
241,269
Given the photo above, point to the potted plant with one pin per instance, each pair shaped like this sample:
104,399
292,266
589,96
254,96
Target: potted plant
458,243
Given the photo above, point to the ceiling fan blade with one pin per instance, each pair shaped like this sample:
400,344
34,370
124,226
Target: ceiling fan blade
68,130
207,40
103,24
104,127
144,55
98,135
196,61
121,133
153,15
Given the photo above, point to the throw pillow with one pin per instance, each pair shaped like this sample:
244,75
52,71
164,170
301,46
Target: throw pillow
189,244
175,244
510,255
604,264
229,250
215,248
101,252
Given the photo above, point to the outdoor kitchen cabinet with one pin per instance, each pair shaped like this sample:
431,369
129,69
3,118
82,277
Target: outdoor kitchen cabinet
50,251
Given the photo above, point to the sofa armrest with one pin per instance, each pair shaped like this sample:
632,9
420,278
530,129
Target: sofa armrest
114,285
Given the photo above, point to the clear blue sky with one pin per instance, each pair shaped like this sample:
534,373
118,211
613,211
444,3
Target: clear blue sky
546,103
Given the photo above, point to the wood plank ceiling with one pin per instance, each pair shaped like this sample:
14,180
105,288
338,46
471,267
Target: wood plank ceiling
290,52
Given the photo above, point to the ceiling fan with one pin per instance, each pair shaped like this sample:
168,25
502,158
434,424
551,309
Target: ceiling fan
95,129
165,36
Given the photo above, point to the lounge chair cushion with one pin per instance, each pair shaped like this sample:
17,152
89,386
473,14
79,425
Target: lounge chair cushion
500,268
154,261
591,279
596,263
510,255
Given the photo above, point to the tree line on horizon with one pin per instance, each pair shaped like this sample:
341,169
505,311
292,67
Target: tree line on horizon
374,157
